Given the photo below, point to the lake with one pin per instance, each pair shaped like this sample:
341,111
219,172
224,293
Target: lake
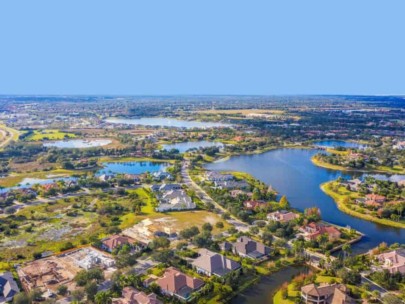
291,172
131,167
339,143
166,122
78,143
185,146
263,292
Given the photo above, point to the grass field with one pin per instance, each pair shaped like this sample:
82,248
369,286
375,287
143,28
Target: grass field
49,134
184,219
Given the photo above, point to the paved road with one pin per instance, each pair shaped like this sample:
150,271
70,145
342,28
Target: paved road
239,225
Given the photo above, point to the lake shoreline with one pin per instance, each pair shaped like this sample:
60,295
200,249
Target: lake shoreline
322,164
344,208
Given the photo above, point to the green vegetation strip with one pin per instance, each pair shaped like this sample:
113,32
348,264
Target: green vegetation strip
326,187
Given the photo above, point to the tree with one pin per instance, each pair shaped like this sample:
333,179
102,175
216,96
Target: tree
62,290
267,238
91,290
284,204
346,248
160,242
103,297
21,298
219,225
207,227
78,295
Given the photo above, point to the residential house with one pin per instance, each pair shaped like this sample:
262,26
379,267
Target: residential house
246,247
374,200
282,216
161,175
178,284
213,176
114,241
131,295
165,187
393,261
313,230
231,184
354,184
8,287
211,263
106,177
175,200
326,294
252,205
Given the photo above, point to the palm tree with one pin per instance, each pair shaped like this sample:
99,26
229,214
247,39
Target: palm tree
103,297
346,248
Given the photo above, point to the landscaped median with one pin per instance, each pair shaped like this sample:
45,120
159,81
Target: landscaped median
339,199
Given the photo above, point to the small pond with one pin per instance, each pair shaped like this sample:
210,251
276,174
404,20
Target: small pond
138,167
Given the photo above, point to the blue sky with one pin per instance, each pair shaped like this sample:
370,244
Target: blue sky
202,47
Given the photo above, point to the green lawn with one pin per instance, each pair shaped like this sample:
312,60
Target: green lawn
49,134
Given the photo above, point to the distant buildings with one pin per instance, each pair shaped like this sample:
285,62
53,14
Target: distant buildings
210,263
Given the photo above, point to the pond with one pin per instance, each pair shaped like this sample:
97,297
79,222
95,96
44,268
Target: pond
339,143
28,182
132,167
166,122
291,172
263,292
78,143
185,146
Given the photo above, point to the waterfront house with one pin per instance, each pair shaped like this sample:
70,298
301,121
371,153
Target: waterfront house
326,294
213,176
313,230
211,263
393,261
246,247
282,216
379,199
252,205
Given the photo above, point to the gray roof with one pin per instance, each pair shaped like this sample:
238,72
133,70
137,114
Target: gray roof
247,246
215,263
8,287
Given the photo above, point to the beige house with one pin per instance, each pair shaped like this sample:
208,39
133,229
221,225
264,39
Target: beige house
393,261
326,294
